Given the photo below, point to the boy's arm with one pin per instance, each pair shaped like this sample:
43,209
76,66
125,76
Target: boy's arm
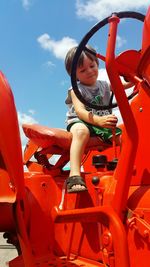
126,85
108,121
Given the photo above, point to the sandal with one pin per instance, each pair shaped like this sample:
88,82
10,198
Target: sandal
73,181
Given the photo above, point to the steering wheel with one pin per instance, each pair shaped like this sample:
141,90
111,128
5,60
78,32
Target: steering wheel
82,46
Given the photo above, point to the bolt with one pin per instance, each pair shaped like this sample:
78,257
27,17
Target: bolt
95,180
43,184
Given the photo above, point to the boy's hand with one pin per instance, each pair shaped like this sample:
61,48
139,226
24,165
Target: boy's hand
108,121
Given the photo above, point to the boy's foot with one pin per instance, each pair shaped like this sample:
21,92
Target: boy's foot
76,184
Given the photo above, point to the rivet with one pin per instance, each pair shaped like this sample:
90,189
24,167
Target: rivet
43,184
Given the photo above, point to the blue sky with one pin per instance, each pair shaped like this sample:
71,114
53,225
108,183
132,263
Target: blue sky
35,37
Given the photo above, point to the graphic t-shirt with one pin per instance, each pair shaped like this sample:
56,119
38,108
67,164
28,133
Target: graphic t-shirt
99,94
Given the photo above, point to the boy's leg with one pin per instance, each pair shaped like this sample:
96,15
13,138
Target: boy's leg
80,137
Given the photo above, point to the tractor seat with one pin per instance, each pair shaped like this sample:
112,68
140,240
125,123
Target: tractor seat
44,142
56,138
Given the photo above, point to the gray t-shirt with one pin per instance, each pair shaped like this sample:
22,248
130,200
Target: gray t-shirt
98,94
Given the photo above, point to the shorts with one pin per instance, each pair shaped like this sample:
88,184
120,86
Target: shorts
104,133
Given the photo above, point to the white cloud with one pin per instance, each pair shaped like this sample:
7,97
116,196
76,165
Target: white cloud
50,64
99,9
26,4
32,111
58,48
120,41
102,75
25,119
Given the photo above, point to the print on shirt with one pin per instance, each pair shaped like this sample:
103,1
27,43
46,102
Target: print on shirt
98,100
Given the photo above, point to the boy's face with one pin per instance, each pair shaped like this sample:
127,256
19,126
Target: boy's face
87,73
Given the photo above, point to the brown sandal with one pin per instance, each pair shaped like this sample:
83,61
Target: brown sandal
73,181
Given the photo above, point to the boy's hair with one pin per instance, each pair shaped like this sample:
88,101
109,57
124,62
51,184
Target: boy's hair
70,55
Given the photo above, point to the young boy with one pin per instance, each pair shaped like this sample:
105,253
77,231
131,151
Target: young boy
83,121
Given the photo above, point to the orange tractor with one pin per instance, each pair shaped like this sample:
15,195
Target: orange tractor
108,225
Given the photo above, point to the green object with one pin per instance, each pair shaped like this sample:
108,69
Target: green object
104,133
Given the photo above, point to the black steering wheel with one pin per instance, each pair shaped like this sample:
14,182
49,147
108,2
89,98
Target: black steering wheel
82,46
